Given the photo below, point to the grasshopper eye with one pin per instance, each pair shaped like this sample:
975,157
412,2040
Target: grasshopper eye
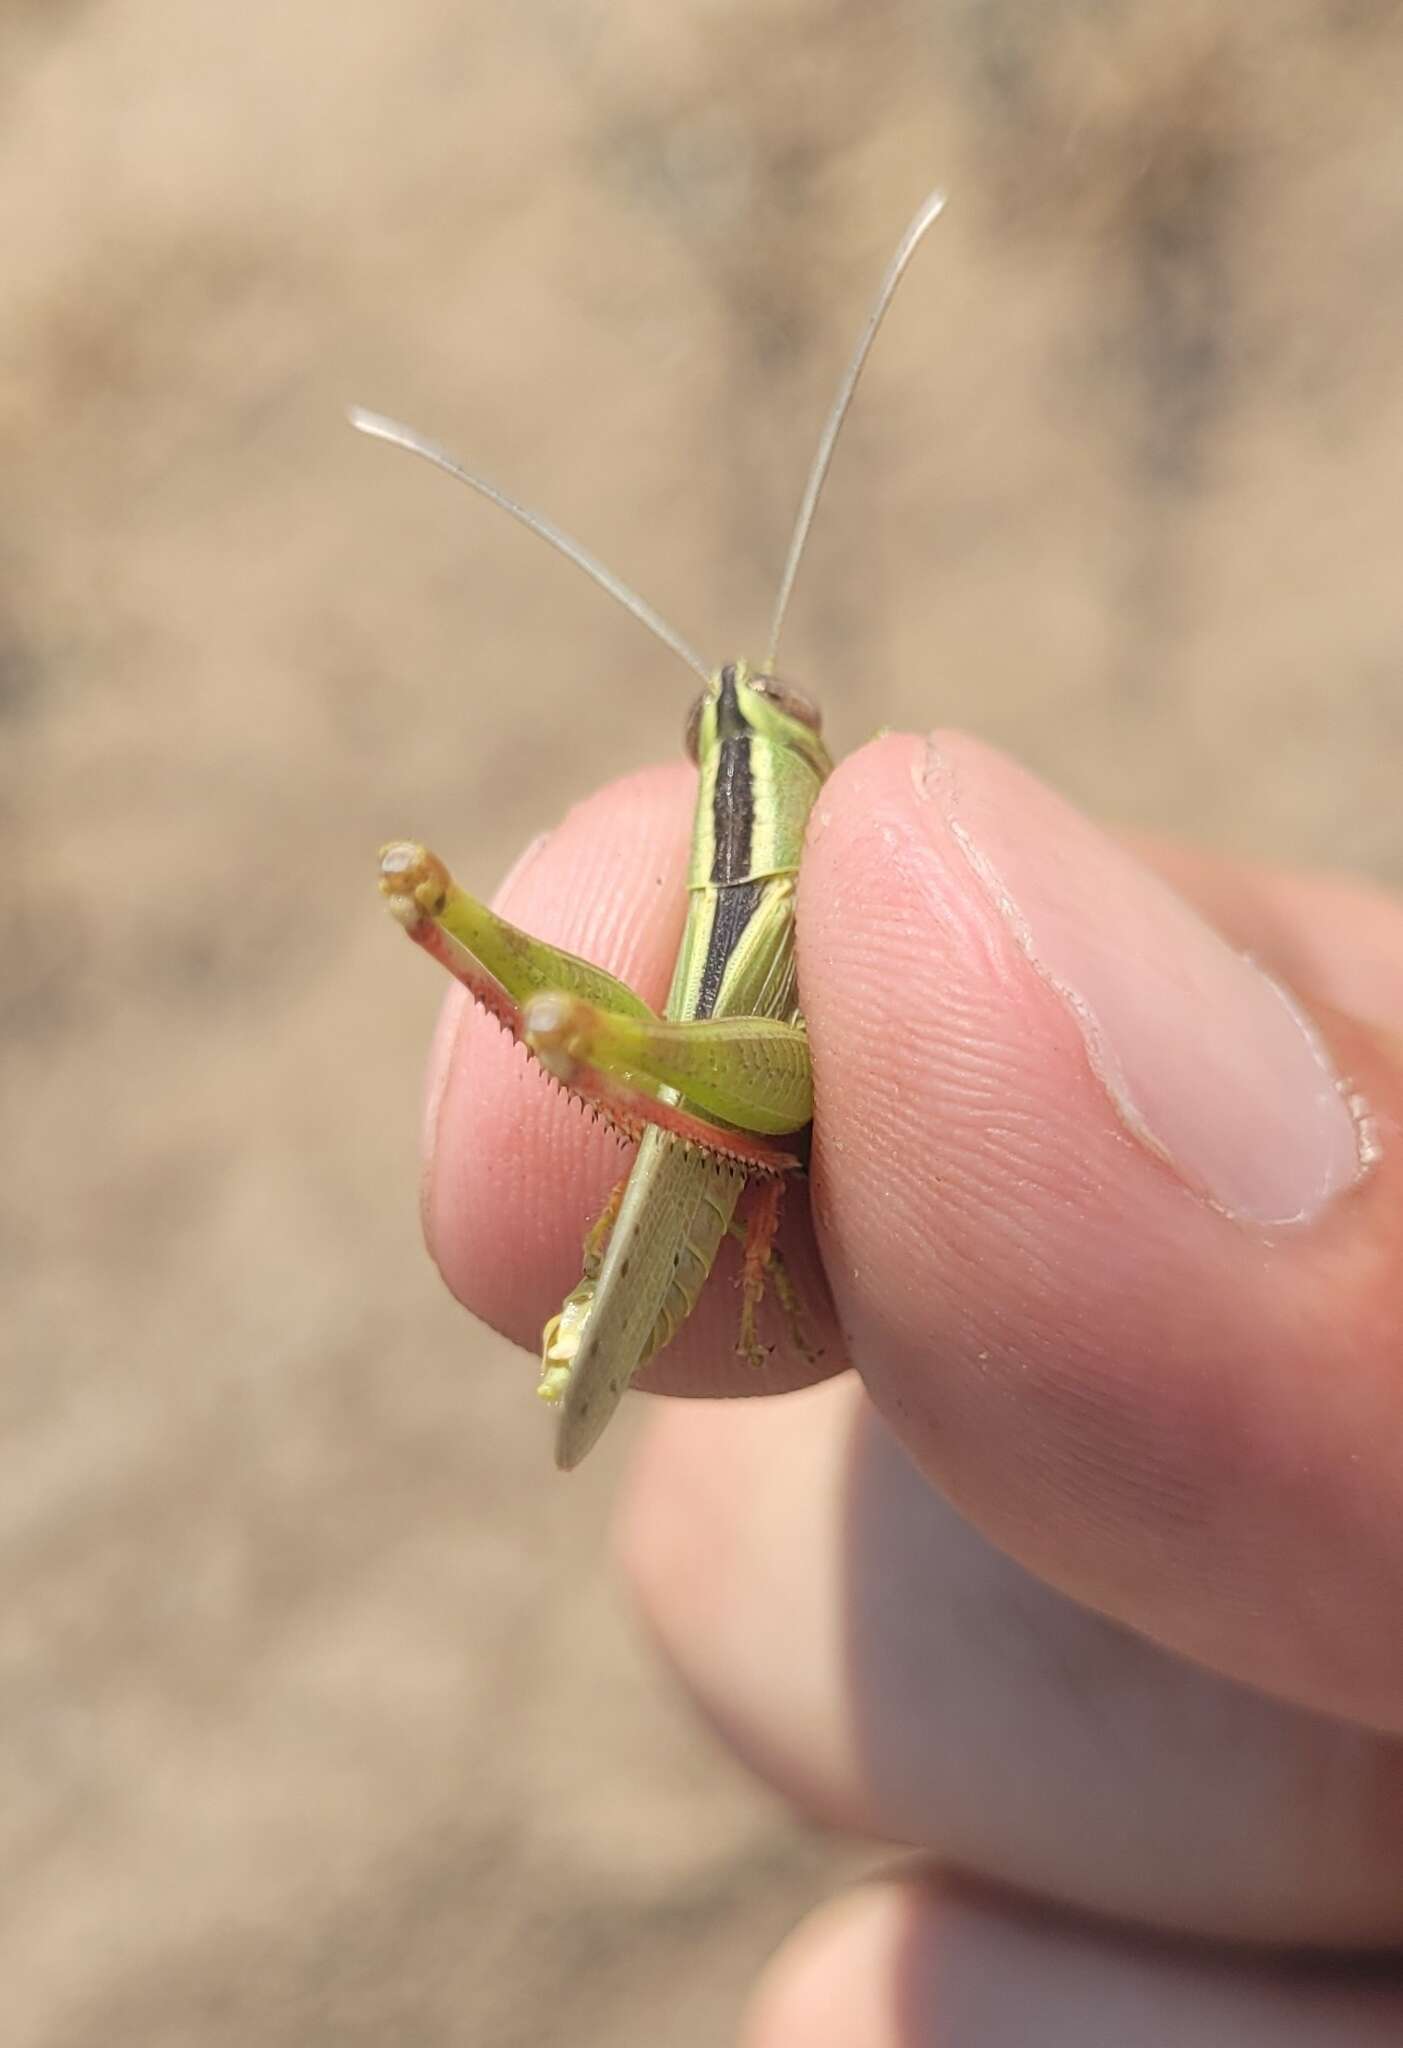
789,700
692,738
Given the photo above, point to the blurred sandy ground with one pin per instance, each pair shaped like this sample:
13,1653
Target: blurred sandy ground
320,1719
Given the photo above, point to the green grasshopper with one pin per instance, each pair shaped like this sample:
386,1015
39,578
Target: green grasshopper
717,1091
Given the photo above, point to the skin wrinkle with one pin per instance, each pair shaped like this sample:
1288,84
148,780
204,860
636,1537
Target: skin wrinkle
974,1079
974,1073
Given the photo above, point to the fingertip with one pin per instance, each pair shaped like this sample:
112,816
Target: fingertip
911,1960
835,1983
434,1186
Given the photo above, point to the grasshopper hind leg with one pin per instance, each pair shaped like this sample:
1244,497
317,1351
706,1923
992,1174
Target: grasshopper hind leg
787,1295
763,1260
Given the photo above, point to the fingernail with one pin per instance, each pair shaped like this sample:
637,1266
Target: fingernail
1207,1060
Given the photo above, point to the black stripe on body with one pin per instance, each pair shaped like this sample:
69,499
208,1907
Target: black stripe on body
735,906
733,799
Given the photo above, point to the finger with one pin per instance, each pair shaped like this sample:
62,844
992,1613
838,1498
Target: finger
515,1175
890,1671
1100,1227
904,1963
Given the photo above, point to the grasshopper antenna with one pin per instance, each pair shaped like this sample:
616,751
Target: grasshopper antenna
930,212
381,429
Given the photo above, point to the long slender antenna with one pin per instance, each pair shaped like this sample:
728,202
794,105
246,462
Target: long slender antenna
381,429
906,249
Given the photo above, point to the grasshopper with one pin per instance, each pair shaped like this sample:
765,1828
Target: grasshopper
717,1091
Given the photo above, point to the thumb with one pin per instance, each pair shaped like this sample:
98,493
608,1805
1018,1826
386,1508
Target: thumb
1104,1224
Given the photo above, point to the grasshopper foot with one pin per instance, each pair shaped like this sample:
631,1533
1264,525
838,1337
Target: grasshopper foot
764,1261
761,1226
414,882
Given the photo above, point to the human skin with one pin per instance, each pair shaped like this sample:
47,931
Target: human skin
1086,1583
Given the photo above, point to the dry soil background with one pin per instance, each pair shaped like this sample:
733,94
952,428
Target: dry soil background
320,1719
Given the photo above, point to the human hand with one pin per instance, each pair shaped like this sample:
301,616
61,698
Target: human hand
1041,1083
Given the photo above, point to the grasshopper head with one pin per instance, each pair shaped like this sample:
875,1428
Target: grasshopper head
740,701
